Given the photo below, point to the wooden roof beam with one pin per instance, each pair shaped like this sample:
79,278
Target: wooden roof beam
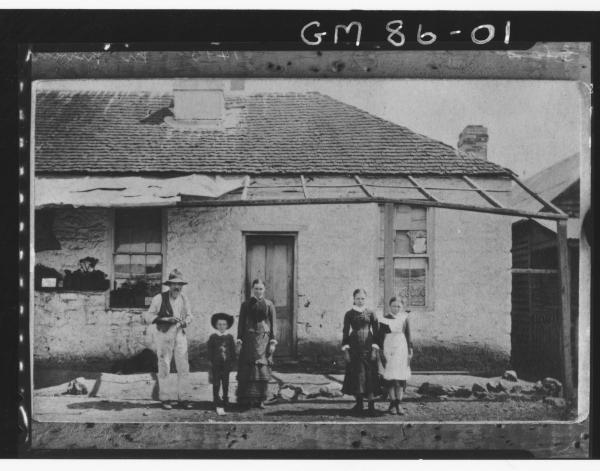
364,188
245,189
419,187
489,198
413,202
303,181
546,204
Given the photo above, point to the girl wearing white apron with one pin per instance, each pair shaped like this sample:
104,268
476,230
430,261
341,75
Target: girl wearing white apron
397,353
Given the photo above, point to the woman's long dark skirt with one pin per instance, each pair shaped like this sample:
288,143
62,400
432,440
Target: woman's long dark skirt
361,375
254,369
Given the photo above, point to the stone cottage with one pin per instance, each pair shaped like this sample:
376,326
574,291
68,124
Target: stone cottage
312,194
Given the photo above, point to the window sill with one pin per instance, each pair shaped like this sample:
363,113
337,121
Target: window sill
70,291
133,310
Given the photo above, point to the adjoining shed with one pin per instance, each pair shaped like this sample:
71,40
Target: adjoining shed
312,194
536,292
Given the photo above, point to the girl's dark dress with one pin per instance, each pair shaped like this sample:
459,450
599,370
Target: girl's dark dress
360,332
256,328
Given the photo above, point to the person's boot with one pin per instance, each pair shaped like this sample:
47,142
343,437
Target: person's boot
398,410
371,410
358,407
392,408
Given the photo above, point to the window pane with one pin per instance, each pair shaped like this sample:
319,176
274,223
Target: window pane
122,266
408,242
403,217
410,218
138,230
418,218
138,265
410,280
154,265
153,247
120,282
418,281
418,241
402,243
401,278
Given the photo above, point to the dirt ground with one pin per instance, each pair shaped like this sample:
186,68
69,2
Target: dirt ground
129,398
85,409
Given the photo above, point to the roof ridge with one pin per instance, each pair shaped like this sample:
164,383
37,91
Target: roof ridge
553,166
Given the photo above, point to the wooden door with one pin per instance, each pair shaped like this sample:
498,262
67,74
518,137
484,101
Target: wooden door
271,258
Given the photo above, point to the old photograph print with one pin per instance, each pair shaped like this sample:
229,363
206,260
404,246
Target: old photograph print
295,250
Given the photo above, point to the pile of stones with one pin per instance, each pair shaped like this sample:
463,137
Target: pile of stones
549,390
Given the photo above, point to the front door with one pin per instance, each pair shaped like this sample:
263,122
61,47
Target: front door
271,258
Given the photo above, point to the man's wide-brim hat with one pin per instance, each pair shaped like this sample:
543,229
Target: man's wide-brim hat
175,278
221,315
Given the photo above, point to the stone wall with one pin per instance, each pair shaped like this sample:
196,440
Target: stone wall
468,326
82,232
77,328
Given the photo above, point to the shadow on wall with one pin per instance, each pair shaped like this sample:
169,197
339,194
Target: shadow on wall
475,359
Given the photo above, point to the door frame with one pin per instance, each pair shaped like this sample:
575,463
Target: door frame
294,307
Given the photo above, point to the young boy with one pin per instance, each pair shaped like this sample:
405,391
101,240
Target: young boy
221,356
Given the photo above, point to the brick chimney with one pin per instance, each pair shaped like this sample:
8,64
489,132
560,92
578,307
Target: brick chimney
199,102
473,141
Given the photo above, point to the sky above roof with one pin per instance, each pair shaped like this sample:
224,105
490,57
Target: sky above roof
531,123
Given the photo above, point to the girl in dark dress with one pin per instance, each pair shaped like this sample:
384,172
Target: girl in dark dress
360,352
256,334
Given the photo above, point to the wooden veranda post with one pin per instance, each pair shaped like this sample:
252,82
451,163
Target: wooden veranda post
565,310
388,252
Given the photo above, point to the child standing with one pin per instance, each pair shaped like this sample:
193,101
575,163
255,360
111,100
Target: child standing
221,357
397,352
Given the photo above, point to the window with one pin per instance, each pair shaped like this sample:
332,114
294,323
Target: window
138,257
410,253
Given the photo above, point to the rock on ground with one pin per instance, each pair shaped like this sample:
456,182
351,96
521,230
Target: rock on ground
552,386
555,401
510,375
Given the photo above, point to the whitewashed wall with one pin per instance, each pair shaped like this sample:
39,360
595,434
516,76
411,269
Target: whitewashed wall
336,252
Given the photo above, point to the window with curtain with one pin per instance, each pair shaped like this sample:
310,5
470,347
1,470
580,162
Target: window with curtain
410,256
138,258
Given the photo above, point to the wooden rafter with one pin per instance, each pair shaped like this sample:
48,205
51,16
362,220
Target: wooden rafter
364,188
546,204
244,196
489,198
420,187
190,201
303,181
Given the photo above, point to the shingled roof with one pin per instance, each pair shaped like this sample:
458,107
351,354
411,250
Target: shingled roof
274,133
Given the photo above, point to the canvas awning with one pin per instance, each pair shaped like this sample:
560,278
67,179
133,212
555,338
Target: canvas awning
129,191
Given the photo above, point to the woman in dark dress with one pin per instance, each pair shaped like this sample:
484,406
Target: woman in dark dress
360,351
256,334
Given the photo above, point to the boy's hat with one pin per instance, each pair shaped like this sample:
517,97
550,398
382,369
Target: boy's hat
221,315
